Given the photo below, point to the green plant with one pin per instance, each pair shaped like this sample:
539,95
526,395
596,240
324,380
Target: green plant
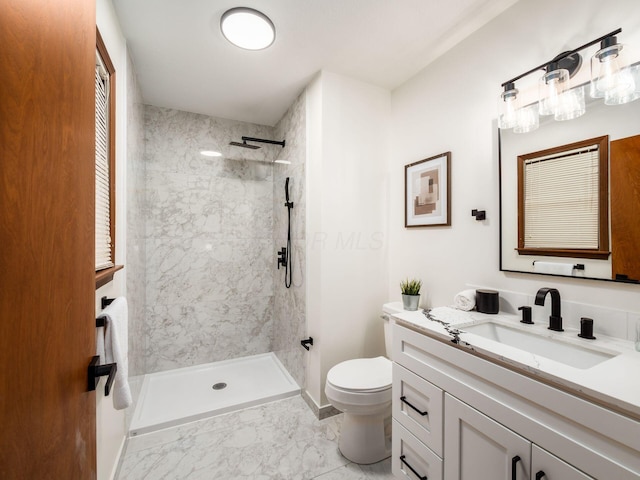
410,287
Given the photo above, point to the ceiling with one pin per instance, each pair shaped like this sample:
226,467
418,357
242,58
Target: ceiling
183,62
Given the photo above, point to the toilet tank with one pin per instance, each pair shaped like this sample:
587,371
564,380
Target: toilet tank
389,309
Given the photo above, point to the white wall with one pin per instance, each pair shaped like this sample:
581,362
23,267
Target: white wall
347,193
452,105
110,423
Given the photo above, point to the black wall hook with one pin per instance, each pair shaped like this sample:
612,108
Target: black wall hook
95,371
104,301
479,214
307,342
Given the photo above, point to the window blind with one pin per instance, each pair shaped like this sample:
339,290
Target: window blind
561,200
103,201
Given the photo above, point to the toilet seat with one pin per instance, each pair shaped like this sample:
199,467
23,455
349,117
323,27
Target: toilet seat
361,375
360,385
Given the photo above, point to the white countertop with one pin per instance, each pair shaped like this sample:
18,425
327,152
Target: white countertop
614,382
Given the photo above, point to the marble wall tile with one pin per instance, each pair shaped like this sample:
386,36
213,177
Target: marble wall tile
212,227
209,241
174,139
135,270
204,332
290,304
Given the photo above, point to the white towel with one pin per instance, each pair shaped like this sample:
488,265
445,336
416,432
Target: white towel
465,300
116,349
100,344
553,268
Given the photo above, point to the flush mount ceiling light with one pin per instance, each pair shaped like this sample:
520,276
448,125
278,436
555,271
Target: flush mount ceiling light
612,78
247,28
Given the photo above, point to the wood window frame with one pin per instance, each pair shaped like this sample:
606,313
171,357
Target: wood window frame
104,276
602,252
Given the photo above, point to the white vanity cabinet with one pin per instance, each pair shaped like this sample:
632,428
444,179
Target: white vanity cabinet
477,447
458,416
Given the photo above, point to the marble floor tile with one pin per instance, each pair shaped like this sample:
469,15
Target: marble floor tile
279,440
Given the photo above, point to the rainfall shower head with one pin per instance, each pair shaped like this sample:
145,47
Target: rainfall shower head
244,144
253,147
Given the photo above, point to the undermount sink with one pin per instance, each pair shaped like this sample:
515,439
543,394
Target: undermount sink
573,355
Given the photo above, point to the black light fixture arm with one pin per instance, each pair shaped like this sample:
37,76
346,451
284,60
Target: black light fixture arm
561,56
262,140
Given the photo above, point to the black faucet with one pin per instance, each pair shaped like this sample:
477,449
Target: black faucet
555,320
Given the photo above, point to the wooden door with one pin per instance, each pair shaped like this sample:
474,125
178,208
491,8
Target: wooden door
47,278
479,448
625,208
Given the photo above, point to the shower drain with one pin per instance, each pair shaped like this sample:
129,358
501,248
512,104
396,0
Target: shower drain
219,386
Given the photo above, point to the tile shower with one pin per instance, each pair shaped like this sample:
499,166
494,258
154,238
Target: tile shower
211,228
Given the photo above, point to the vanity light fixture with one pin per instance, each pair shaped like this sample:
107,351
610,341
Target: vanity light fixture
612,78
552,85
247,28
508,105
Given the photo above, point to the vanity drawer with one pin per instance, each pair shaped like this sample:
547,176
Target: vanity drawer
417,406
411,459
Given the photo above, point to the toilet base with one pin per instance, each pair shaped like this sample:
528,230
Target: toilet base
364,438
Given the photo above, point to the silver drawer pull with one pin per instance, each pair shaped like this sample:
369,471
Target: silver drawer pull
404,400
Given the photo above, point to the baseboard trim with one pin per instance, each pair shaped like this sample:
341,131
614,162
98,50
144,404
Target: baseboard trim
321,413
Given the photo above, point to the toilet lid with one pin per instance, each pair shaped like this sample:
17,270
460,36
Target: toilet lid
362,374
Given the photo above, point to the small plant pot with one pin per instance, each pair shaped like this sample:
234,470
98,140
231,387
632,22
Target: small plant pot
410,302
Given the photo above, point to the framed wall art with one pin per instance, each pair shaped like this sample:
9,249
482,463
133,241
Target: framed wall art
427,189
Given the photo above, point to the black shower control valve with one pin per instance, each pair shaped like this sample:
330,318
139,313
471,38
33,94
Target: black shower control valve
282,257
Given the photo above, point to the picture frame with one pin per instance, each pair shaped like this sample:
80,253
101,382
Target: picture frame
427,191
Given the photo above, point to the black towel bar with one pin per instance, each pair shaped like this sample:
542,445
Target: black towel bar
104,301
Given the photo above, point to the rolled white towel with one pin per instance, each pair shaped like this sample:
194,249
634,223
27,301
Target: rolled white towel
465,300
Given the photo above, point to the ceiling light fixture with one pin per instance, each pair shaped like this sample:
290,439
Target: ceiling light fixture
612,78
247,28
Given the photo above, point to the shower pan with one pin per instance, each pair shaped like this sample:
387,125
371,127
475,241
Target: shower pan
188,394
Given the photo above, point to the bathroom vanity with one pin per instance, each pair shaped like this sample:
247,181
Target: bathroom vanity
466,406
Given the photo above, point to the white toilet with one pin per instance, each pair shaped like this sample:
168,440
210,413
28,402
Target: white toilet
361,388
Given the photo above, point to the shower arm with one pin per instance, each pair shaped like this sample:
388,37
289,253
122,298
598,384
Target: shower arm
262,140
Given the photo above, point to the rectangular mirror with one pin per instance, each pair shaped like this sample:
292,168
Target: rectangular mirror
618,254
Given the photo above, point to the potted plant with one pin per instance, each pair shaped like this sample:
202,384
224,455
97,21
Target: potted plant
410,293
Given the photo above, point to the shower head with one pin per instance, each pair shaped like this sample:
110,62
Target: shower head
259,140
244,144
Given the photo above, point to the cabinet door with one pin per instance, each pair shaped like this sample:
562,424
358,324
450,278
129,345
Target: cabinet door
545,466
479,448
